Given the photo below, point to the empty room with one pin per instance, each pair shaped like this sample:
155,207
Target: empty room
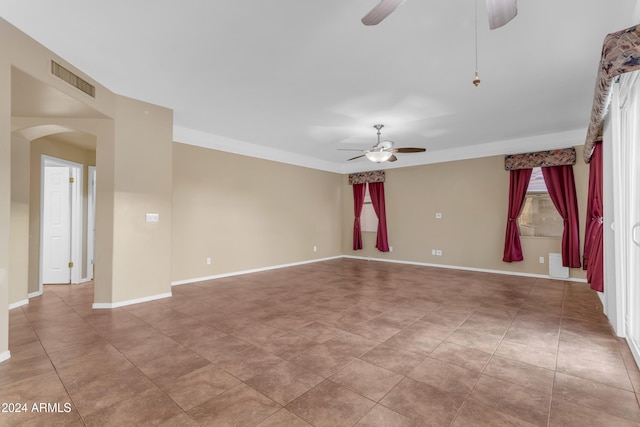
320,213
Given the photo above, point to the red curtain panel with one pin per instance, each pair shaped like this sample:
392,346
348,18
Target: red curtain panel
562,190
376,190
593,241
518,183
359,191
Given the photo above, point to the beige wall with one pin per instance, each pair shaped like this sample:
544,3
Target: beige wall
5,197
246,213
65,151
133,156
472,196
141,180
19,238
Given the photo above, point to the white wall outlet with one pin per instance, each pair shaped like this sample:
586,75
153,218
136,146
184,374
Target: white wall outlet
439,252
208,261
438,215
541,260
315,248
390,248
433,251
153,217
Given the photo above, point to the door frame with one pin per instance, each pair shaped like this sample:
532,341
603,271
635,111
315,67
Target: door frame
91,220
76,172
622,210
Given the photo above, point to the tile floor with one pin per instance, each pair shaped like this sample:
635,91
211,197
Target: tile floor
337,343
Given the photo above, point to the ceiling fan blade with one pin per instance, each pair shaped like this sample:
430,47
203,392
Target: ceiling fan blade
501,12
393,158
409,150
356,157
381,11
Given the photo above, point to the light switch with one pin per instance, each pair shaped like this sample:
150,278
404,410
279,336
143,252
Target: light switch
153,217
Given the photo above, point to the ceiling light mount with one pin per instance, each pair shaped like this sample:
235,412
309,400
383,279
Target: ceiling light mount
383,151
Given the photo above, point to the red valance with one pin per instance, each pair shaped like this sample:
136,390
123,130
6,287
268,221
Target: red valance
620,54
366,177
562,157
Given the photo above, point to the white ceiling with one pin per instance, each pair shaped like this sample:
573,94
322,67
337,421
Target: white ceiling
293,80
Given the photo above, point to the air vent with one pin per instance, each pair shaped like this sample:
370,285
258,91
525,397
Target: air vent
74,80
556,269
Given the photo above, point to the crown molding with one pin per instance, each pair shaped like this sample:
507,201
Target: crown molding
512,146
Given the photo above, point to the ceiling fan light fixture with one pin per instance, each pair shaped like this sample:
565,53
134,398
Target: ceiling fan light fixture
379,156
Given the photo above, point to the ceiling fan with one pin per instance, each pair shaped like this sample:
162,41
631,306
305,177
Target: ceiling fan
500,12
383,151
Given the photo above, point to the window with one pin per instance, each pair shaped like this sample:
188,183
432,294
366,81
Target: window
368,218
539,217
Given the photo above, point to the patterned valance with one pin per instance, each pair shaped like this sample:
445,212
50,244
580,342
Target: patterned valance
565,156
620,54
366,177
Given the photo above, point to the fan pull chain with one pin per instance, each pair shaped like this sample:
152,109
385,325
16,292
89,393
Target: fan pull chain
476,80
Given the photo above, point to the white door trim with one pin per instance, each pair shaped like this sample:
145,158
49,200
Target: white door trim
76,215
91,216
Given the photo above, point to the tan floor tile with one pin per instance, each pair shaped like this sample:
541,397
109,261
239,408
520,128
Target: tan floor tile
250,363
423,403
441,327
476,340
199,386
165,368
287,346
602,372
568,414
528,354
284,382
394,359
604,398
283,418
520,373
380,416
16,370
150,407
323,359
479,415
329,404
100,392
221,349
511,399
318,332
239,406
444,376
455,354
369,380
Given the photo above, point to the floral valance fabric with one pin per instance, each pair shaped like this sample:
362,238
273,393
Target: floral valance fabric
565,156
620,54
366,177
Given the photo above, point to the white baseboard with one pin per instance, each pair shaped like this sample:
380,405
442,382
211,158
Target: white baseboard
83,280
255,270
635,350
479,270
107,305
424,264
5,355
18,304
34,294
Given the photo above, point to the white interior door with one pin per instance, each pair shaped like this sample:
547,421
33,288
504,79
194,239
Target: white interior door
56,233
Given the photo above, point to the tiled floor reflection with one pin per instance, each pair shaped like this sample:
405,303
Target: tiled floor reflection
342,342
